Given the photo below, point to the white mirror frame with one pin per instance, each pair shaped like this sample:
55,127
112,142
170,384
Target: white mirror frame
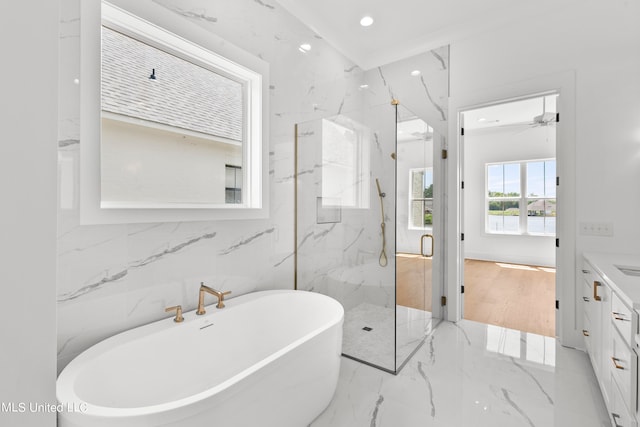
167,30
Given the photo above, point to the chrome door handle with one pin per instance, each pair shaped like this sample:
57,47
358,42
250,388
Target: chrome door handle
422,245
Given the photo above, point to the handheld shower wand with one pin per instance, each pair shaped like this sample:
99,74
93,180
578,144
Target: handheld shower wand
383,254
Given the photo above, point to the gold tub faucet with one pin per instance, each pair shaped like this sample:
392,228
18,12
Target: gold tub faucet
219,294
178,310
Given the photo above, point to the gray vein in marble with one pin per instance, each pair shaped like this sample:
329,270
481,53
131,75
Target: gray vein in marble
92,287
533,378
145,229
340,108
432,350
188,14
463,332
439,58
374,416
278,264
426,379
268,6
324,232
354,240
311,89
68,142
303,172
247,241
100,243
437,107
377,139
350,69
135,307
156,257
64,345
304,239
516,407
384,81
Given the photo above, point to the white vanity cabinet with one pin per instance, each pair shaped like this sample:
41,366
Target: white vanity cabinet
610,326
597,326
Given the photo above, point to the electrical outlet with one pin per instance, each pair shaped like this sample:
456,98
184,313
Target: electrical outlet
596,229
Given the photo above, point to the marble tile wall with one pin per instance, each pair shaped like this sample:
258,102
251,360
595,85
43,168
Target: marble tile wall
115,277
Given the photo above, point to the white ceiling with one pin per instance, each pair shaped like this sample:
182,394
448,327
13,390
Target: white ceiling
404,28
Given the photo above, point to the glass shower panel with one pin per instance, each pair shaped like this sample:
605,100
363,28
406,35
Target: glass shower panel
416,246
342,236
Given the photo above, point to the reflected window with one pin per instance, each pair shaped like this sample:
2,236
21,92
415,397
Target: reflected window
421,198
345,163
233,184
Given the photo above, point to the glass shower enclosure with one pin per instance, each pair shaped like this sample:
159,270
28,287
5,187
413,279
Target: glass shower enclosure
347,182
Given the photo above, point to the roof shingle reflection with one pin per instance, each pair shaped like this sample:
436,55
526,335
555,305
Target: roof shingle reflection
183,95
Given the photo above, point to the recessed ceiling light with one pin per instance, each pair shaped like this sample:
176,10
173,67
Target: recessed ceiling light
366,21
482,119
305,47
364,86
415,73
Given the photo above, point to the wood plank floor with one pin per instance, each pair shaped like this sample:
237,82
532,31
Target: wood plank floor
412,290
513,296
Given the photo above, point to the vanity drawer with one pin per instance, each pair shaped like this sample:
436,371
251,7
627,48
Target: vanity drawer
620,417
586,332
624,366
587,298
623,319
587,272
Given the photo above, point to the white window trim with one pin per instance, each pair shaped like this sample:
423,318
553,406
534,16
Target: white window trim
161,28
523,217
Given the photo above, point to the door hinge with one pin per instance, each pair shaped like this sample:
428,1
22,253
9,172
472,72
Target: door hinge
444,154
443,301
462,131
462,289
557,305
557,180
462,183
557,117
557,243
461,236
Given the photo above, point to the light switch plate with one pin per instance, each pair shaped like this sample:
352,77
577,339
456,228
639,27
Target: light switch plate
596,229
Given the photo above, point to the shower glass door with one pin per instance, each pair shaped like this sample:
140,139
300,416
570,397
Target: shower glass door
345,233
418,249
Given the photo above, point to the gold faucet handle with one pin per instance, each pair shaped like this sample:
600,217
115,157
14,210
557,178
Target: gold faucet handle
178,310
221,298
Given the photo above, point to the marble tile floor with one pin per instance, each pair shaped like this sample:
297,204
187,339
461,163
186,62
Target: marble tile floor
472,374
383,345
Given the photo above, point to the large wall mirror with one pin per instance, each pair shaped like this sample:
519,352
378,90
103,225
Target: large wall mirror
176,120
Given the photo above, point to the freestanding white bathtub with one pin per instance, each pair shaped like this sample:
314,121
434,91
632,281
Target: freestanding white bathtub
268,358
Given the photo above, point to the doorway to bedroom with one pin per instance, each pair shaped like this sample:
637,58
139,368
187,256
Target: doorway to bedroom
509,214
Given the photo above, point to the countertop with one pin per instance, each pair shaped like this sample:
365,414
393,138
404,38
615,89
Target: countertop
626,287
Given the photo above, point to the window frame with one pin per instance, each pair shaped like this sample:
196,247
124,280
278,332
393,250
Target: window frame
157,19
523,199
410,225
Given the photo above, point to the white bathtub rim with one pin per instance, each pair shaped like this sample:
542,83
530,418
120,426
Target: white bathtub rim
67,395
